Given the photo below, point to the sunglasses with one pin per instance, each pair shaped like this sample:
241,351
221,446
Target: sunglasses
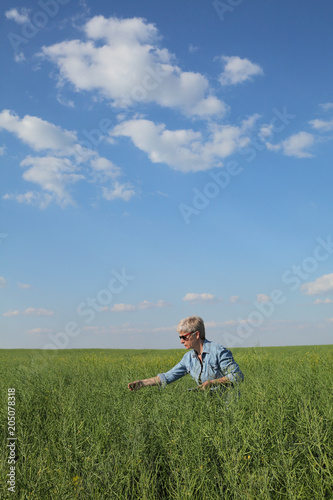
184,337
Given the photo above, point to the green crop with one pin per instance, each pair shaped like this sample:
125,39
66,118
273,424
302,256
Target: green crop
81,434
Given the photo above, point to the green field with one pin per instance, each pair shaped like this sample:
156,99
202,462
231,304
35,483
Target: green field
82,434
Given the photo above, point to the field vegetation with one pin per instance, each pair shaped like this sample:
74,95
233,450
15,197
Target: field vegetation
81,434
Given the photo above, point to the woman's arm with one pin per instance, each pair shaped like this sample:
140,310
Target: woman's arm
179,370
218,381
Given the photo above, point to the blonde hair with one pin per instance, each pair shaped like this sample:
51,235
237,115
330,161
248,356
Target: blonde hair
192,324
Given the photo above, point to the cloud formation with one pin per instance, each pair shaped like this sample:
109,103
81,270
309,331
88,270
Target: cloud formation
118,191
20,16
324,284
53,175
323,301
61,165
237,70
234,299
123,62
322,125
30,311
185,150
38,331
261,298
23,285
140,306
297,145
200,297
37,133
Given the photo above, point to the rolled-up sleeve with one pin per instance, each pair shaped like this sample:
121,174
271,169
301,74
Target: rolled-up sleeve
178,371
229,367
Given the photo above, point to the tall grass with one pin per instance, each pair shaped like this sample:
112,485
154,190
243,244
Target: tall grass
82,434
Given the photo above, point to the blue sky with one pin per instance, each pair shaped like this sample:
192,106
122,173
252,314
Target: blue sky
161,160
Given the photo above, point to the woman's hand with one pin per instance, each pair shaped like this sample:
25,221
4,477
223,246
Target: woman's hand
135,386
205,385
209,383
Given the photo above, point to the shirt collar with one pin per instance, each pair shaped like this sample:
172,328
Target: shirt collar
205,348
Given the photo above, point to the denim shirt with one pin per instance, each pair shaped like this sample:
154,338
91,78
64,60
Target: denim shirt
217,362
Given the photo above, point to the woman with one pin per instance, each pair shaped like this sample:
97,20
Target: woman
210,364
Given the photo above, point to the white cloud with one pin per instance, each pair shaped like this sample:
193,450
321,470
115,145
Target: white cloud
266,131
324,284
212,324
178,149
192,48
65,102
323,301
125,329
140,306
2,150
273,147
128,329
23,285
184,150
38,331
234,299
322,125
327,106
53,175
123,308
3,282
228,323
62,164
261,297
19,57
297,145
37,133
152,305
164,329
237,70
42,200
20,16
119,191
30,311
122,61
200,297
105,167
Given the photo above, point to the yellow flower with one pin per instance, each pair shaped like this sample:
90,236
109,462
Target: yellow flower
75,480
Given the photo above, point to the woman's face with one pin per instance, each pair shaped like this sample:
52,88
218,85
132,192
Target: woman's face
187,339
